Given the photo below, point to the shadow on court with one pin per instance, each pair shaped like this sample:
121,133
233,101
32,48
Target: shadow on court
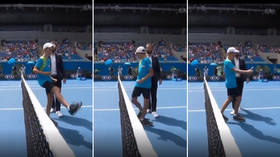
257,117
74,137
166,135
171,121
255,132
76,121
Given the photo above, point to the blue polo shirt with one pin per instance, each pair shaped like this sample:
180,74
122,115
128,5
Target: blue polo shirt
229,74
43,64
143,69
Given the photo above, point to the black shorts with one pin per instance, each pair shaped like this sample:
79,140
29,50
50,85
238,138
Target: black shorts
240,85
233,92
48,86
137,92
58,82
240,89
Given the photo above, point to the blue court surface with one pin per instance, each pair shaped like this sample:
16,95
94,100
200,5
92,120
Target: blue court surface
259,136
168,135
76,130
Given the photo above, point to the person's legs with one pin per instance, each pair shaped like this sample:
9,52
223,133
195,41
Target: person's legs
240,90
228,100
54,90
145,107
54,103
49,103
154,95
135,94
137,104
50,96
53,106
150,105
57,103
73,108
58,84
233,101
226,103
58,95
237,104
236,116
57,106
146,95
239,83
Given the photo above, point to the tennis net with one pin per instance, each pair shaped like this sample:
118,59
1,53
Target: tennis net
220,140
135,141
42,137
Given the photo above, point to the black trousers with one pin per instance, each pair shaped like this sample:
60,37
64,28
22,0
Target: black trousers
240,84
56,104
153,98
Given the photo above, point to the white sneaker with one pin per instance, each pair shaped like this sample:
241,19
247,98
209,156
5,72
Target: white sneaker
155,114
59,114
52,110
148,111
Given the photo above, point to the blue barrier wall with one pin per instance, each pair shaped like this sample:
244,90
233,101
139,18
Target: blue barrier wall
7,68
166,66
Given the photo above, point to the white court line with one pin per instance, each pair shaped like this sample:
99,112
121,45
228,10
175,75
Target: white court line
36,85
20,108
117,109
252,108
132,88
115,89
252,89
40,88
66,87
106,109
97,89
10,109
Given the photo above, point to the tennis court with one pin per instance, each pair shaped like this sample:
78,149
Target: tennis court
168,136
258,136
76,130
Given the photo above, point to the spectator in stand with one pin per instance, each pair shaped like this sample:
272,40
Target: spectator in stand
27,50
78,73
124,51
111,71
215,52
